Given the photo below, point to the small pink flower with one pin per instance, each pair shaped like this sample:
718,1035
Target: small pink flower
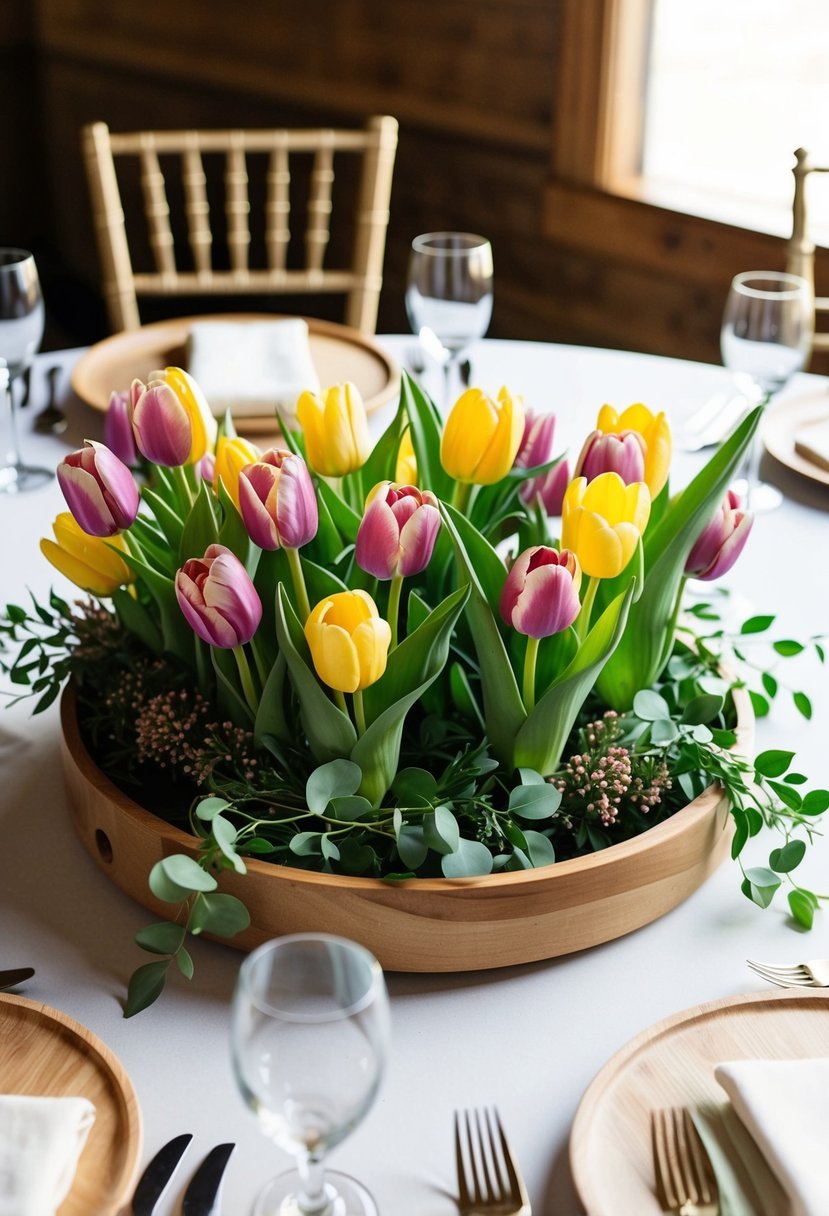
277,501
218,599
721,541
398,531
540,596
610,453
99,489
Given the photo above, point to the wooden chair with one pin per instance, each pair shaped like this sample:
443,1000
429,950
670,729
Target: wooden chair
800,254
220,264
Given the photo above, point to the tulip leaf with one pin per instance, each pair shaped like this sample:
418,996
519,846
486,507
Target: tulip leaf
177,634
229,688
425,431
201,528
167,519
153,546
345,519
382,462
136,619
271,718
503,708
541,740
233,534
329,731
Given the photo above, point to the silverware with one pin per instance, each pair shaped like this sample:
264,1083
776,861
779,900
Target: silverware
51,420
465,372
714,420
153,1181
812,974
685,1182
201,1196
10,979
489,1182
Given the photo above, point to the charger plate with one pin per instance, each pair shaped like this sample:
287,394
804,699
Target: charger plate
339,353
672,1064
782,423
47,1054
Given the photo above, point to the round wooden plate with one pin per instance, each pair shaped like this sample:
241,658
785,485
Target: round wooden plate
672,1064
339,353
784,420
47,1054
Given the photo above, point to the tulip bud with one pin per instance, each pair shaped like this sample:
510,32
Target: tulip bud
537,441
721,541
602,522
348,640
277,501
540,596
218,599
99,490
87,561
171,420
206,467
608,453
118,434
405,472
481,438
398,531
336,430
655,434
232,455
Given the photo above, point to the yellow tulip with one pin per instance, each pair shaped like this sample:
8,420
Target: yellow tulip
203,425
87,561
655,432
481,437
405,471
336,430
602,522
233,455
349,641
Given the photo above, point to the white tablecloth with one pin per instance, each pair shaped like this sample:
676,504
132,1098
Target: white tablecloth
528,1039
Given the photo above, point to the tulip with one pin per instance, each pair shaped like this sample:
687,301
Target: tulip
99,489
87,561
541,594
721,541
336,430
481,437
655,433
398,531
206,468
232,455
277,501
602,522
348,640
171,419
218,599
405,472
537,441
118,434
609,453
549,487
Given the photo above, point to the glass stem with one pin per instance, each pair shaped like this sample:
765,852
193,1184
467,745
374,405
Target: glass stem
312,1199
11,449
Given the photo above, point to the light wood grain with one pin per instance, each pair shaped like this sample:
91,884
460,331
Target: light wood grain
47,1054
672,1064
427,925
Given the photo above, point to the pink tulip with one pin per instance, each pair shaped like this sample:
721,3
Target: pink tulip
99,489
277,501
721,541
217,597
537,442
161,425
609,453
118,435
549,487
398,531
540,596
206,468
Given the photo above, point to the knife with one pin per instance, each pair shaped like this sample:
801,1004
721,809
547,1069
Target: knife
10,979
153,1181
201,1196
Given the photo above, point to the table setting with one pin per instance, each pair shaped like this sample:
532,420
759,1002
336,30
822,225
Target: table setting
505,1059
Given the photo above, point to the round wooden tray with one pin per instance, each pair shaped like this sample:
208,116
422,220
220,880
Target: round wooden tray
428,925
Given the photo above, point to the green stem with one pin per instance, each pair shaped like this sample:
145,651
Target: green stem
339,697
185,492
201,666
530,657
359,712
668,644
583,619
298,580
259,660
246,677
460,496
394,606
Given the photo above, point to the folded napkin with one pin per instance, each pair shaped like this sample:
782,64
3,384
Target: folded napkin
784,1104
41,1140
250,367
812,442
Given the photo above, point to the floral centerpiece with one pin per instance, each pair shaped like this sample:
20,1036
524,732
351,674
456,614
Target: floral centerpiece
381,660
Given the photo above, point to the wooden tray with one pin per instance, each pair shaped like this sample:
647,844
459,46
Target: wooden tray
782,422
672,1064
427,925
47,1054
338,352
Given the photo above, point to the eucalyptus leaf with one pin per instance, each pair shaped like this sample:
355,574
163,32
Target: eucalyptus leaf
534,801
470,859
176,877
219,914
146,985
336,779
161,938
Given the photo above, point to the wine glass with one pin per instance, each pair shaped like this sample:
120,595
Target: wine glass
21,330
766,335
449,294
309,1032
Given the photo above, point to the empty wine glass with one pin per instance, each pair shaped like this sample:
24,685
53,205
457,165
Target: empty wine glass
766,335
309,1032
449,295
21,331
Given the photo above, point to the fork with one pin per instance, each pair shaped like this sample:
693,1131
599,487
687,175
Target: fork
685,1182
812,974
489,1182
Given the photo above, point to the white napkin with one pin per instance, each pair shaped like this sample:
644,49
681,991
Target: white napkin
250,367
812,442
784,1104
41,1140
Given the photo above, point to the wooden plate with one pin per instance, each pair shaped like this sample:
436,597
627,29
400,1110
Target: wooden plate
47,1054
672,1064
782,422
339,353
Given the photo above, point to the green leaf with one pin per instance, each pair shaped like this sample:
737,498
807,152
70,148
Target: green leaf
802,907
769,683
529,776
784,860
759,704
541,851
664,731
788,648
225,835
815,802
161,938
350,808
411,845
761,884
702,709
306,844
802,703
773,763
208,808
270,716
220,914
338,778
426,436
146,985
415,787
650,706
757,624
788,796
185,963
136,619
176,877
441,831
534,801
470,859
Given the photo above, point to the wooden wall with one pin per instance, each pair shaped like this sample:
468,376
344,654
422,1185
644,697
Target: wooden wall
471,82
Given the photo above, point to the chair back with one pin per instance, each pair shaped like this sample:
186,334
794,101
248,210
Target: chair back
800,253
200,243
